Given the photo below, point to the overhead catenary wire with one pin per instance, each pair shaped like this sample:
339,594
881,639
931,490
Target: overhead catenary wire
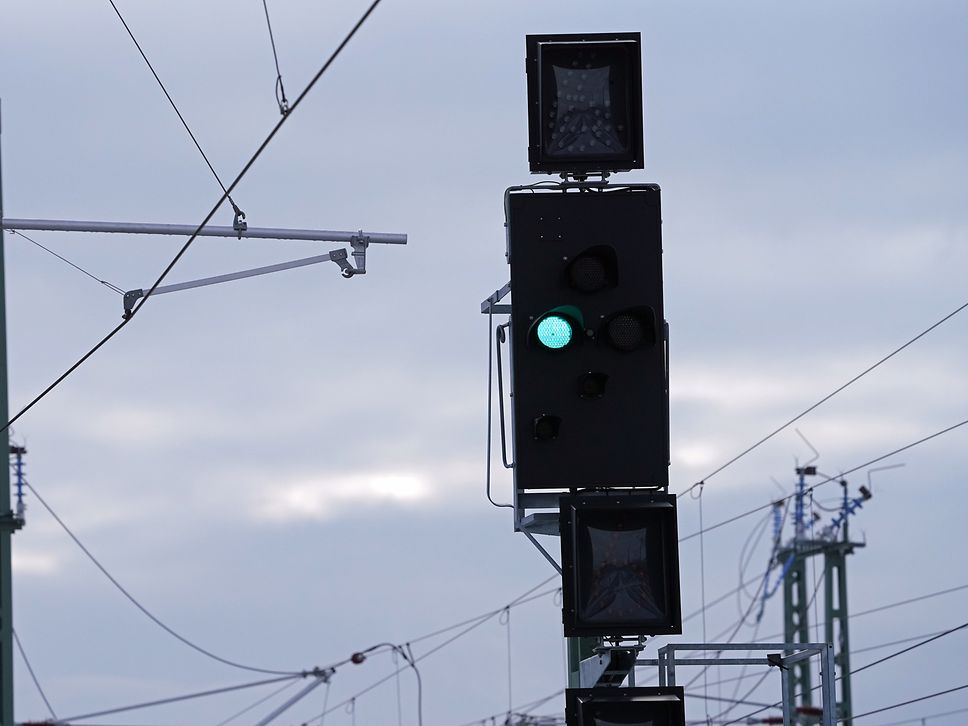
145,611
853,652
325,701
879,608
735,701
280,89
505,620
756,629
889,606
721,598
897,653
520,600
175,107
407,654
754,675
910,600
746,556
909,702
471,624
245,170
696,613
926,717
867,666
177,699
523,709
33,676
930,636
263,699
826,398
811,488
736,627
107,284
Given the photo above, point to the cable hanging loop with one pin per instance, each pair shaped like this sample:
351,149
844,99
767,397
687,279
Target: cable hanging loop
281,97
280,89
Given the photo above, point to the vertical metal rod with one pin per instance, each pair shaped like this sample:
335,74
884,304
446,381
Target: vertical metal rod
798,509
574,660
787,702
6,516
829,687
842,642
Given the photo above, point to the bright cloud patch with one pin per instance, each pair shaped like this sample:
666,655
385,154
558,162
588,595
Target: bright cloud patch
34,563
321,498
695,455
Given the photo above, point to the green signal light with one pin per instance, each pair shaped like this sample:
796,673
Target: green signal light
554,332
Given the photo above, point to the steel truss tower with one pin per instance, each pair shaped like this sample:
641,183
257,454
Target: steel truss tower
798,597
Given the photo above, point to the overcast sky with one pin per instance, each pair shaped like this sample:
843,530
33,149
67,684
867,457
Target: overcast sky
289,469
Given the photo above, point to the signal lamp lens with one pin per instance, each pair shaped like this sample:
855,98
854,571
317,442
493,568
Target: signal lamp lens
631,329
588,93
625,332
587,274
592,385
621,576
594,269
546,427
554,332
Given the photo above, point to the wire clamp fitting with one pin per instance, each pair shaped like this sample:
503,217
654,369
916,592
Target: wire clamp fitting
238,224
339,257
130,298
775,660
359,243
9,522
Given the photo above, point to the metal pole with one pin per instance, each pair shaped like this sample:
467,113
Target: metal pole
787,700
828,685
7,520
837,628
187,230
796,625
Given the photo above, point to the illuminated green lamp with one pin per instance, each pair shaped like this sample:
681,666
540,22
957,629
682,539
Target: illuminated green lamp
554,332
556,329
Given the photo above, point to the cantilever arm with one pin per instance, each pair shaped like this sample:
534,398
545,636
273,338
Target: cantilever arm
337,256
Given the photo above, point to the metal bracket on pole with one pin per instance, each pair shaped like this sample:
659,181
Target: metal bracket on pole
238,224
609,667
359,244
338,256
490,306
542,550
